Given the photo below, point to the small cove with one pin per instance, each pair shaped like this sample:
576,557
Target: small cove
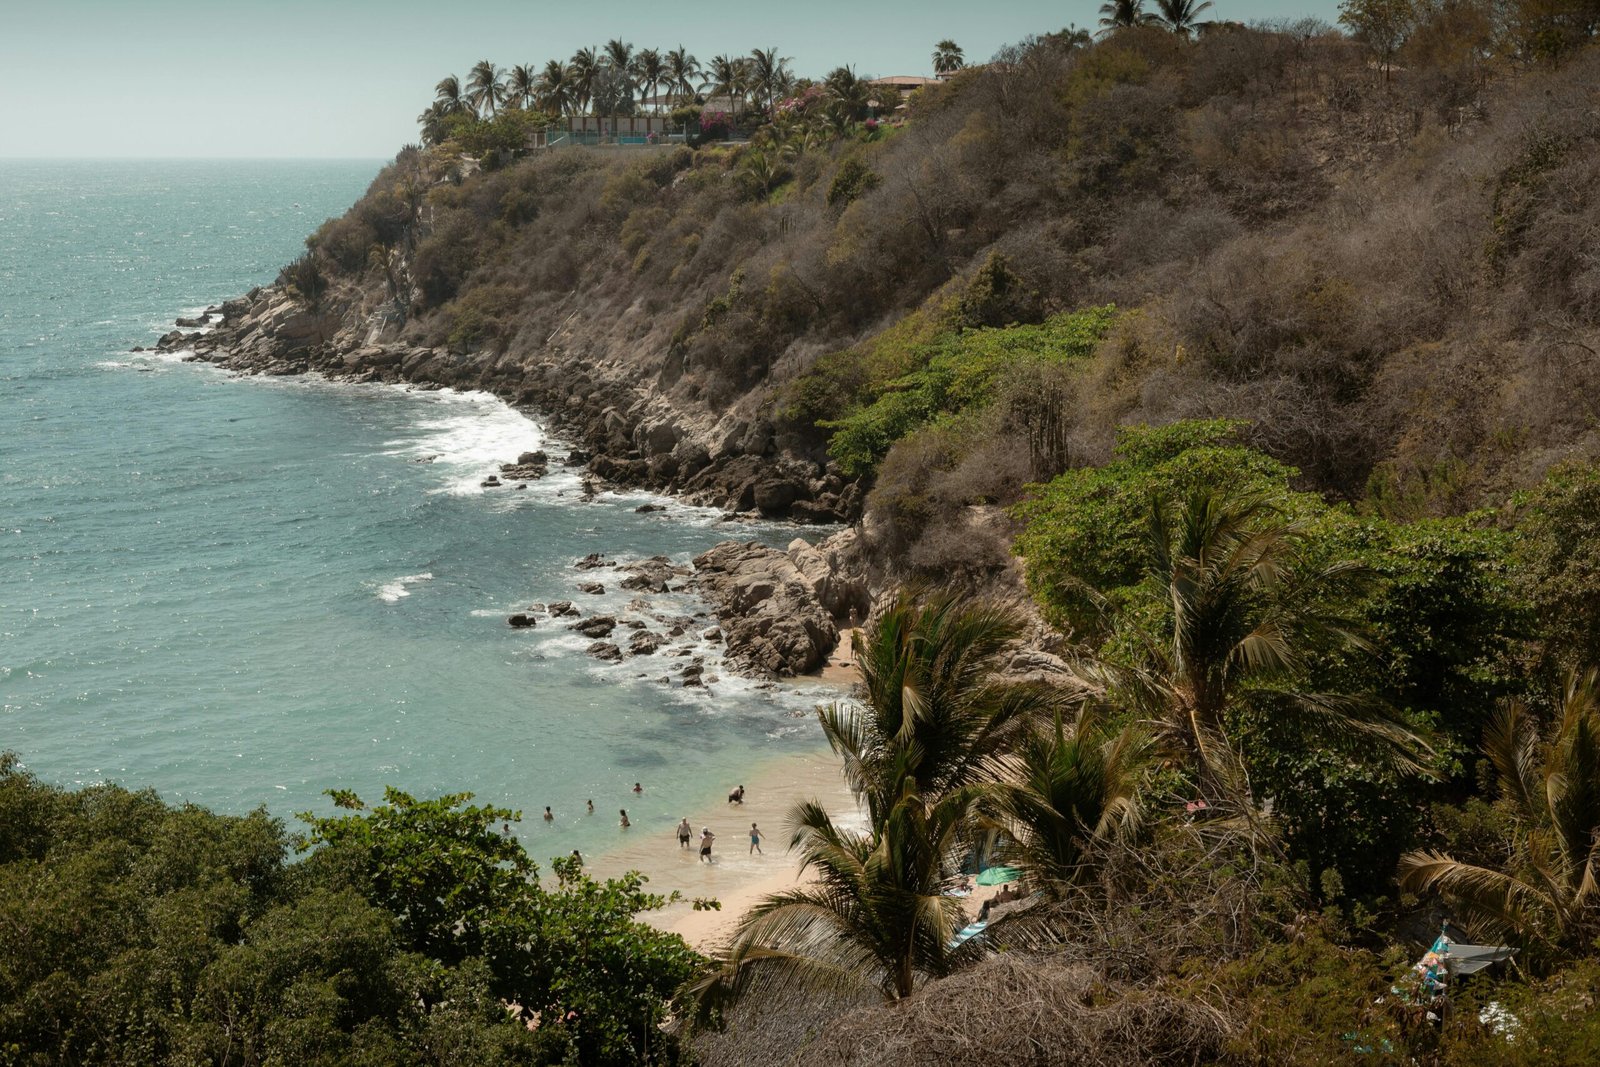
245,592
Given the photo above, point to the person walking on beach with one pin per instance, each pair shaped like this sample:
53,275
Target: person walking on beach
755,839
624,823
706,837
685,831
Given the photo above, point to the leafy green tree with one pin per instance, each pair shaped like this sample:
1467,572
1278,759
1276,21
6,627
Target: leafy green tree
614,86
847,96
1558,553
768,76
727,76
1548,893
932,717
440,866
1382,25
875,916
948,57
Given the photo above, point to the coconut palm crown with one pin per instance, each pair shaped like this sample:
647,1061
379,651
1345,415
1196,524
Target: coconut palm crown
486,89
948,57
1243,612
1548,894
1182,17
1117,14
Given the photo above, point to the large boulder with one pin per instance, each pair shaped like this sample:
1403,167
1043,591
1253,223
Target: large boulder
595,625
770,616
837,571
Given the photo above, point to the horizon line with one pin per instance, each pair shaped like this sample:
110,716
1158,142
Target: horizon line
192,159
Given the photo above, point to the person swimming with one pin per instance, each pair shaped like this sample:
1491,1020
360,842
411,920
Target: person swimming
548,817
624,823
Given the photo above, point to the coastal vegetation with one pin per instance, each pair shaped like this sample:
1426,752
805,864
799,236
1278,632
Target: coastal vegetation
1215,406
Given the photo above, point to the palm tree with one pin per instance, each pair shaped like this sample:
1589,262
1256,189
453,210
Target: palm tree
847,95
1117,14
448,93
1074,37
1549,892
768,74
948,57
432,122
683,74
932,725
1182,17
652,71
1242,613
485,88
619,82
522,89
726,77
556,89
764,162
581,71
933,719
619,57
1060,792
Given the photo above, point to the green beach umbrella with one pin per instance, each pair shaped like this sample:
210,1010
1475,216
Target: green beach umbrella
999,876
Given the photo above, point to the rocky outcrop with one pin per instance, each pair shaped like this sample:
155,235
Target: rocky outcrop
837,571
771,619
653,575
595,626
601,392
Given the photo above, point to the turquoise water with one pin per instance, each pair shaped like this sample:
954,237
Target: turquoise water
247,591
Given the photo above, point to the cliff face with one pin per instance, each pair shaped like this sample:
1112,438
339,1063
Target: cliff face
628,430
1391,278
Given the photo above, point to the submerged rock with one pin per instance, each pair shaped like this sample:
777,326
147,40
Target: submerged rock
592,588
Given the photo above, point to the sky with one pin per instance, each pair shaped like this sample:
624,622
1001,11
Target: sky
347,78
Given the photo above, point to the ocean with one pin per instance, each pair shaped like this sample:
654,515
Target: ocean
242,592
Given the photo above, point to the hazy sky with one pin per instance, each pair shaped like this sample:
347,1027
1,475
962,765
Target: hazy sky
347,78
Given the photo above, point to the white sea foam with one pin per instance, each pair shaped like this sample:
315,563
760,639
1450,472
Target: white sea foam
390,592
468,438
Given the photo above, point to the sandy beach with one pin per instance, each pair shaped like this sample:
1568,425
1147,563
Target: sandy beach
736,877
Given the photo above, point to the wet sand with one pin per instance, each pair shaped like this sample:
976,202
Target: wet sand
735,877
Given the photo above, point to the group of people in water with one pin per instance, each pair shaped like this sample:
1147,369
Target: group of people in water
685,832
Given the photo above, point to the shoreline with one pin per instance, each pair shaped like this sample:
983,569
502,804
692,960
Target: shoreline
737,879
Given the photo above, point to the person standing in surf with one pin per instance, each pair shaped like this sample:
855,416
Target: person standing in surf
685,831
755,839
706,837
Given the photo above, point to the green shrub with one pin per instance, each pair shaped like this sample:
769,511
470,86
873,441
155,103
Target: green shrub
958,375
